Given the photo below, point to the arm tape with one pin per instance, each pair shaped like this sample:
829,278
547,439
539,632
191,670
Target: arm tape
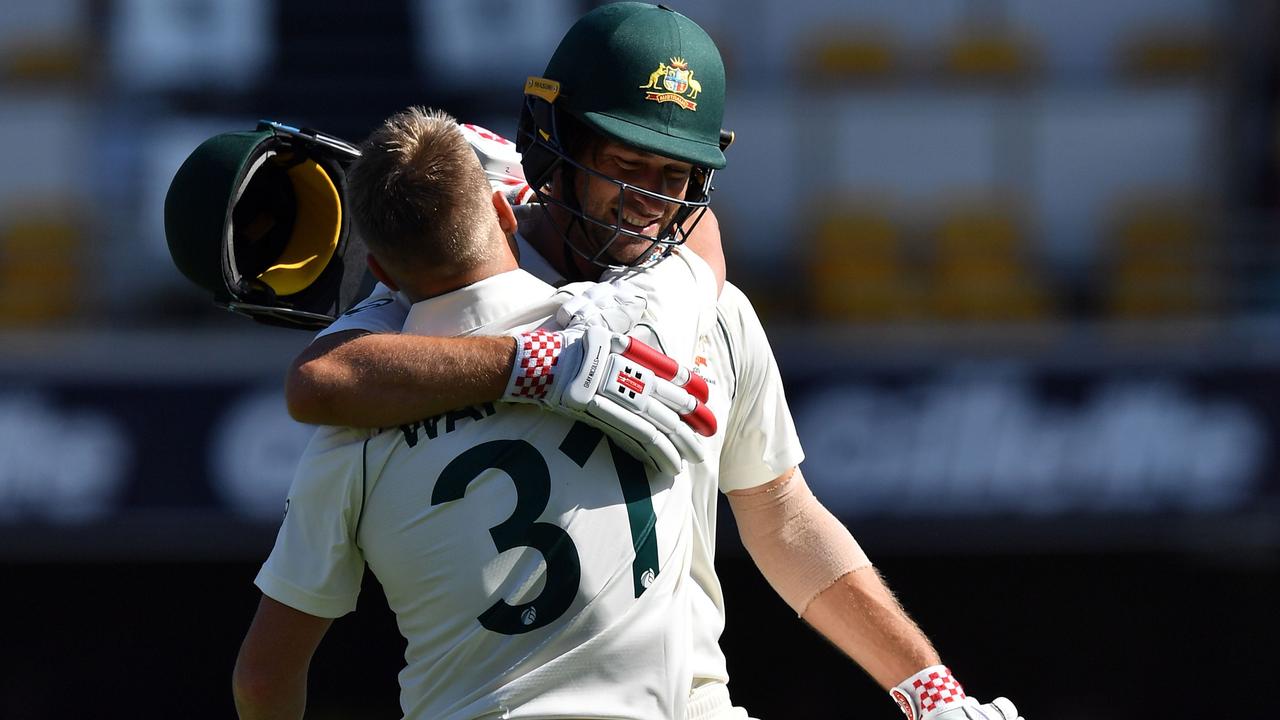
799,546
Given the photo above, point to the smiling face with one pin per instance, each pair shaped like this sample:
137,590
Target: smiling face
640,215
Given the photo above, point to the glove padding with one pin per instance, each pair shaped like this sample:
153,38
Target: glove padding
935,694
646,402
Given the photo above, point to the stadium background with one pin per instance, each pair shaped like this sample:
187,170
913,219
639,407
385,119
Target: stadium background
1018,260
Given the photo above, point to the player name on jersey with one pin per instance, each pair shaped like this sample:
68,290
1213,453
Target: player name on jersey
431,426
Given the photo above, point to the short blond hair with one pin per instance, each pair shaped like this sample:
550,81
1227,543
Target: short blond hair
419,196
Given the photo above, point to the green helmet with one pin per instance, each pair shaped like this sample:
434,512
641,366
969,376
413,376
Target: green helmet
258,219
643,75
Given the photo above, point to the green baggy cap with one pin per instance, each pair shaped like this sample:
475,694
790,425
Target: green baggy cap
647,76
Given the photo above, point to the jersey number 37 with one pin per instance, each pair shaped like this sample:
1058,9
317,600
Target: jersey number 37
528,470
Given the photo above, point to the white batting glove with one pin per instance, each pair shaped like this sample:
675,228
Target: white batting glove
501,162
615,306
647,403
935,694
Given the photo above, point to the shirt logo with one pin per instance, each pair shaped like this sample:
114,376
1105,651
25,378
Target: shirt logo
673,83
368,306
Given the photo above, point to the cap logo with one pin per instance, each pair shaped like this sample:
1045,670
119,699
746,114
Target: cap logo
673,83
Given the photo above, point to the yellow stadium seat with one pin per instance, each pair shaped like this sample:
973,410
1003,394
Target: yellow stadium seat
989,56
1161,264
1171,53
850,55
40,268
981,272
858,269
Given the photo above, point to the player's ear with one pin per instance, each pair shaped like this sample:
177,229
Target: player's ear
378,272
506,216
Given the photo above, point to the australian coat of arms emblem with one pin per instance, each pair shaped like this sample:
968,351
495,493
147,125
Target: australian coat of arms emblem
673,83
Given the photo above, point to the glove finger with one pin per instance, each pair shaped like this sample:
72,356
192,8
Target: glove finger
702,420
570,310
620,318
663,418
664,413
690,445
692,411
695,384
620,422
662,365
674,428
1005,707
665,367
674,396
629,311
627,444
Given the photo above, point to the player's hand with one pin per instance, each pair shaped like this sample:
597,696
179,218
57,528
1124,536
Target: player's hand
501,162
615,306
934,694
647,403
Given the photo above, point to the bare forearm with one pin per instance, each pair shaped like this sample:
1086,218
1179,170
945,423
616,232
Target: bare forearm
859,615
270,677
285,702
383,380
818,568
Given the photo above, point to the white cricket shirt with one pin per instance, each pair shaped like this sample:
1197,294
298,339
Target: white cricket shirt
535,571
755,442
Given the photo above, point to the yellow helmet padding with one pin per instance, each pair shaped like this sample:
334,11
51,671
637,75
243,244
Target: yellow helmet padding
317,226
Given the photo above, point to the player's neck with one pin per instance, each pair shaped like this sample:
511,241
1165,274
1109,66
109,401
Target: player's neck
540,232
429,285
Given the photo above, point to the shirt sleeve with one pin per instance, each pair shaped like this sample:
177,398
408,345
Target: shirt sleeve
383,311
760,439
315,566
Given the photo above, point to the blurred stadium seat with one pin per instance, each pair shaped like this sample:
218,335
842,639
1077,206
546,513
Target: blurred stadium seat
44,42
1168,53
981,269
856,54
1162,263
41,274
1082,40
859,267
44,138
1092,146
984,54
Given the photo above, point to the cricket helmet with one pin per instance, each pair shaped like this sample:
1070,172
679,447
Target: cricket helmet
258,219
640,74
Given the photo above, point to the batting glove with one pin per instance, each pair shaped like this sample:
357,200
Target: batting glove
935,694
501,162
615,306
646,402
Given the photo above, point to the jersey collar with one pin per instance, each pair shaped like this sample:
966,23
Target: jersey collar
508,297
